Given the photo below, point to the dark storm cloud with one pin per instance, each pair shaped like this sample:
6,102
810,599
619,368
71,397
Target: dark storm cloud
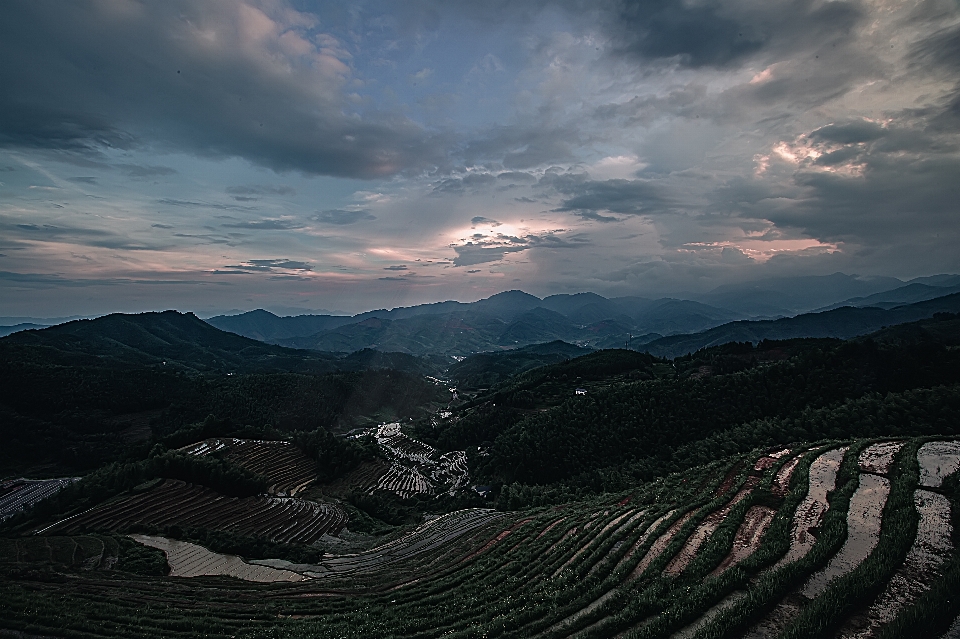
720,34
343,217
483,248
853,132
471,254
265,225
626,197
90,76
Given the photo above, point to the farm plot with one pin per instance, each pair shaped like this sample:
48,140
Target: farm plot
755,524
190,560
18,494
655,562
281,519
286,468
404,482
878,458
919,570
433,535
810,512
937,460
863,533
415,468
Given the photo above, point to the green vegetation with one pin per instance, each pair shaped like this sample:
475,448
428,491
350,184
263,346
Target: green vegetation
669,489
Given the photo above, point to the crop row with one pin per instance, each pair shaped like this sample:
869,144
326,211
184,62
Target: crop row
286,468
17,494
804,542
174,503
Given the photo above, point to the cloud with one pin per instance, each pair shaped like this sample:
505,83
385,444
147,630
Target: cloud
400,267
268,266
62,233
145,171
471,181
627,197
722,34
83,180
223,80
258,189
470,254
483,220
266,225
524,146
343,217
204,205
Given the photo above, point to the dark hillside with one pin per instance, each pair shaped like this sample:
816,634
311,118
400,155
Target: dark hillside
843,323
83,393
636,413
172,339
485,370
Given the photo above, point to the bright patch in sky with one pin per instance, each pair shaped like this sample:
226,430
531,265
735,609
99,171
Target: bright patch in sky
235,154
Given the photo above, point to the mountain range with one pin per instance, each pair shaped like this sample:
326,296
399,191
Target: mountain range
514,319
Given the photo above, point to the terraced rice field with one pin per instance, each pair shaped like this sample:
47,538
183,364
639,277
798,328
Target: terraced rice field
17,494
286,468
415,468
172,502
191,560
836,539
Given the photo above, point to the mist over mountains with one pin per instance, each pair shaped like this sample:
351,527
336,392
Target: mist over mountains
845,306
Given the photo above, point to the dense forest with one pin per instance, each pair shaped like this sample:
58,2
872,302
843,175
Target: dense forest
643,417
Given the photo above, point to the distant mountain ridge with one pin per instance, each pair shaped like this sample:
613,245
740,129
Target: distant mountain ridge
169,338
843,323
506,320
513,319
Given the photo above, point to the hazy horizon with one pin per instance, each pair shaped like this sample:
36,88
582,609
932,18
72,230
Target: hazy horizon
360,155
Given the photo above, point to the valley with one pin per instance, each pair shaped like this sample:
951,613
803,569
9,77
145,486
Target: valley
798,488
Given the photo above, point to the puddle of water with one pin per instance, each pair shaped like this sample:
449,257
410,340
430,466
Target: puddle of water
191,560
747,540
920,567
878,458
863,533
937,460
810,512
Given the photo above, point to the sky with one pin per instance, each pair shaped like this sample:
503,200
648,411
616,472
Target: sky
221,155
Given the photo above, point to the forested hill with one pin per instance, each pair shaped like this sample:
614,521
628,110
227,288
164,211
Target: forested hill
642,417
172,339
843,323
82,393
